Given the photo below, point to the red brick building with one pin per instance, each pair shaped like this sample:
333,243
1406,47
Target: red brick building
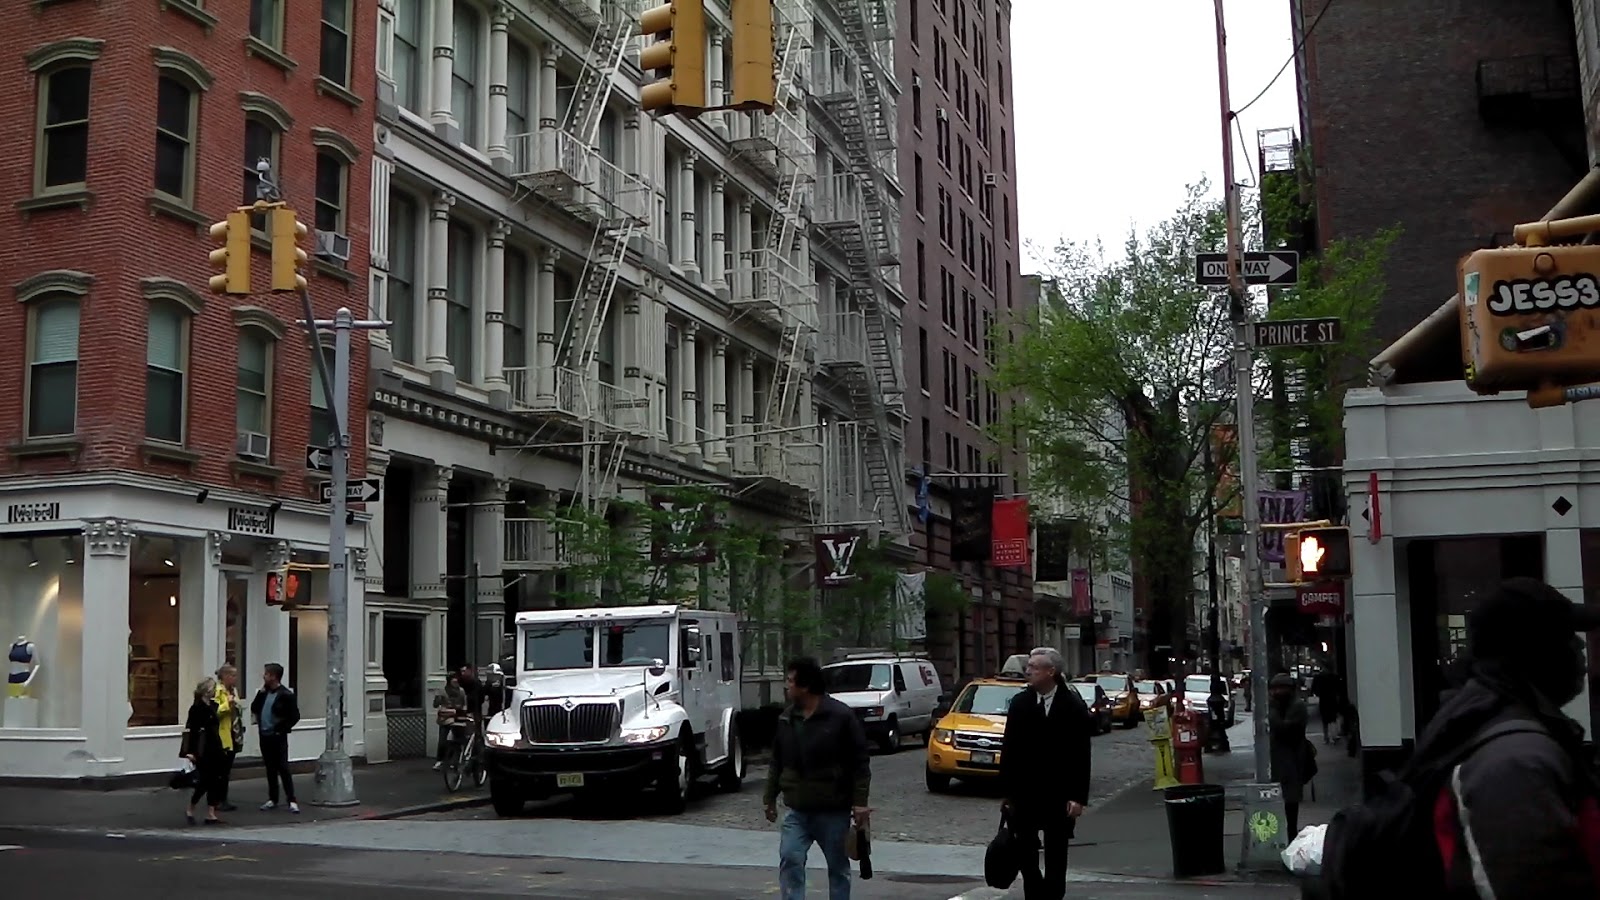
152,432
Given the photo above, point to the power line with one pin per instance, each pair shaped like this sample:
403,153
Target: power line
1290,61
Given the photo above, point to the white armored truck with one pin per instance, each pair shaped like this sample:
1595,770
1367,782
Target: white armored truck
616,699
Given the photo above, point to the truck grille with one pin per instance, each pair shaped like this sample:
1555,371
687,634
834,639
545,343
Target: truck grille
585,723
967,740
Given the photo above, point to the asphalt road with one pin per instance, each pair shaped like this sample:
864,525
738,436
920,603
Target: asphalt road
38,863
904,808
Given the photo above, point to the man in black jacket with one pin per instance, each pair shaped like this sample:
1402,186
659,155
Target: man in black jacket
821,765
1044,771
277,712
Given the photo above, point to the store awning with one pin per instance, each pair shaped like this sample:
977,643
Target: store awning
1440,333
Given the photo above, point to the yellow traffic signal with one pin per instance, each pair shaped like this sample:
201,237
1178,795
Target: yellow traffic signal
233,257
287,257
1530,315
755,79
1316,554
678,57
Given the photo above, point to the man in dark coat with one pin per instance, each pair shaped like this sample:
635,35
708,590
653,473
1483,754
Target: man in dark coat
1291,754
1044,771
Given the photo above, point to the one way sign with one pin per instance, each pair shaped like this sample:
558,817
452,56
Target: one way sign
367,490
1272,267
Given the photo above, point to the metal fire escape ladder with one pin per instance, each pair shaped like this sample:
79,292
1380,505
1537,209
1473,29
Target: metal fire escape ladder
863,119
611,27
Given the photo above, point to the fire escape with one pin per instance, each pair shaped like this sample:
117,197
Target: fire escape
563,170
772,281
1539,92
869,238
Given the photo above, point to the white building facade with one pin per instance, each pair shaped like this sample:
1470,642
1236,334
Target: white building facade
1470,490
588,301
128,590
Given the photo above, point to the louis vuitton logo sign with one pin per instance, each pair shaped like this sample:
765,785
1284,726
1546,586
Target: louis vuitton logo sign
836,559
682,534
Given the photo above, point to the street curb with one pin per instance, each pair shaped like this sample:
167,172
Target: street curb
406,812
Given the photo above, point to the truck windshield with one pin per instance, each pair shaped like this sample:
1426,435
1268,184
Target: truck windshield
858,677
636,643
568,645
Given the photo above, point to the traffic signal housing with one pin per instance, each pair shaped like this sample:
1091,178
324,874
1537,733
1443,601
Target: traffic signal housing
755,78
1530,315
677,58
1317,554
287,255
233,257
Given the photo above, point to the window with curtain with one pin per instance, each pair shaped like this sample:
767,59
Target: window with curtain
516,321
266,22
175,119
458,321
63,145
254,382
519,93
407,68
464,73
330,193
322,425
165,363
335,56
403,225
53,369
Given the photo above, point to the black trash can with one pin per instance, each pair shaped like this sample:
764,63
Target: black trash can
1194,824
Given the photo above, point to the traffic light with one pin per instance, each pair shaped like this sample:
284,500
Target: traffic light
1530,315
233,257
755,79
677,58
287,256
1317,554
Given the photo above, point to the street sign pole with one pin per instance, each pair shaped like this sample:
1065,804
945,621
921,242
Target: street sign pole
1244,428
335,783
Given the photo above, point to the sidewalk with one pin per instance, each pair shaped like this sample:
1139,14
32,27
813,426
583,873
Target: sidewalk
386,791
1128,834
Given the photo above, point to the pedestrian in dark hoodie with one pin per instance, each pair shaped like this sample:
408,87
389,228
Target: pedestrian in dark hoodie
1519,818
1286,722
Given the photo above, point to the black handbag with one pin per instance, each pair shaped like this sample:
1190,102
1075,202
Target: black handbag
1001,862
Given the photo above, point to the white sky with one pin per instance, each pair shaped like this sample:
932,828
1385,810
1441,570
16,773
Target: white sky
1116,108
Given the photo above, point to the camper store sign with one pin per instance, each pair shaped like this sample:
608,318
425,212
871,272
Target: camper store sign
836,559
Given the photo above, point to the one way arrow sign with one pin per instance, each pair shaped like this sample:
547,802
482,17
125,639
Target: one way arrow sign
367,490
1271,267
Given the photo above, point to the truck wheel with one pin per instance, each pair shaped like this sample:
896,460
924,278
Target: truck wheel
676,778
731,777
891,736
503,796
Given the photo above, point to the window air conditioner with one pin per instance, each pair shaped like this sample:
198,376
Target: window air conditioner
333,245
989,179
254,445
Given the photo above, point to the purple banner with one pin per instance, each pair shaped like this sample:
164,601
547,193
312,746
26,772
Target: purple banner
1278,508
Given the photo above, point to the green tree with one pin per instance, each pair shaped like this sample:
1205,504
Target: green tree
1122,374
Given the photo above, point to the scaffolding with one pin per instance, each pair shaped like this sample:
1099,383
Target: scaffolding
855,212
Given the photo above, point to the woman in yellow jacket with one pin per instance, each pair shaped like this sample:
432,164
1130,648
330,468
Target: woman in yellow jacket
230,728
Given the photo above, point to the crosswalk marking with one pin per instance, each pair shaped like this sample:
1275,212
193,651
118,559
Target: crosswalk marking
5,847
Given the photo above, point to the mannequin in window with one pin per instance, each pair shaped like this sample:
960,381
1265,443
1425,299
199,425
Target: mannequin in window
21,684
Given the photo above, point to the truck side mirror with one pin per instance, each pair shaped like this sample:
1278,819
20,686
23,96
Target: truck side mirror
658,668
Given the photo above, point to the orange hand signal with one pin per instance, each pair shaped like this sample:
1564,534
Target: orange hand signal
1311,553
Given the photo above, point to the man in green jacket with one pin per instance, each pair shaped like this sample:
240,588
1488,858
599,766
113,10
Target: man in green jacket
821,765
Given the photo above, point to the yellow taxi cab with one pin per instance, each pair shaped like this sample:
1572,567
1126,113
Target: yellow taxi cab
966,741
1126,710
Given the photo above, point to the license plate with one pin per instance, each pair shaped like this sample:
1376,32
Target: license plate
570,780
978,756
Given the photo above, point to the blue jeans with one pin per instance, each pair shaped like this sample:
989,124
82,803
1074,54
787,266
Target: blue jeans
829,830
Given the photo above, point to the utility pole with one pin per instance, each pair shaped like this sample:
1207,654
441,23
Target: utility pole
1244,428
335,783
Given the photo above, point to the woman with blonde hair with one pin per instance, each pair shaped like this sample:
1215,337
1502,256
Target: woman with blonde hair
202,746
230,728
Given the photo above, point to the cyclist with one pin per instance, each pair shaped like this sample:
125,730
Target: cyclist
451,704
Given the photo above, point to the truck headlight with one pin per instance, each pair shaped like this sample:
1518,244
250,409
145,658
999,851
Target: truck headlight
501,739
644,735
874,712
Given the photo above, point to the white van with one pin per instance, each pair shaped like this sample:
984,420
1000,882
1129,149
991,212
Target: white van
893,694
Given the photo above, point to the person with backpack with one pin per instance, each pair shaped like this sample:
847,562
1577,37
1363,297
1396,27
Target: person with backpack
1500,801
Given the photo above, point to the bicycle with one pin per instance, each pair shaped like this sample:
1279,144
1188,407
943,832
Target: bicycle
466,757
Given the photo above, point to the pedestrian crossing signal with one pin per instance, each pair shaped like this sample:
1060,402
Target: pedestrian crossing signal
1317,554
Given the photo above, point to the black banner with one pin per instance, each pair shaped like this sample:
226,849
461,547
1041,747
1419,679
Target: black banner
971,511
1054,550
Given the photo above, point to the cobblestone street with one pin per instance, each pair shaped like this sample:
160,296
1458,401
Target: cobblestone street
905,809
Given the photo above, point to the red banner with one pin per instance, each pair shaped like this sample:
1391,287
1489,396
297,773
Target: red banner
1082,601
1008,534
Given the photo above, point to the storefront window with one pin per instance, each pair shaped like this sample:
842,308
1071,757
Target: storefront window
41,625
238,600
307,669
165,622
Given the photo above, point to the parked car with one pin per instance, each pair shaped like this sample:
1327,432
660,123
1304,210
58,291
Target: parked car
892,695
1197,693
1125,709
1095,697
